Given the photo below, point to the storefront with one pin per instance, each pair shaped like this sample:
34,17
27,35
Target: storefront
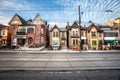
112,42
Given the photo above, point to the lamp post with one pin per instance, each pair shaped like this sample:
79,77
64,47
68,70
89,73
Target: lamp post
79,25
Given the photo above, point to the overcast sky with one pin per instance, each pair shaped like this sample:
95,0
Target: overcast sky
60,11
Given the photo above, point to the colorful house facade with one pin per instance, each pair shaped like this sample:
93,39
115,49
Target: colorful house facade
28,33
4,37
58,37
95,37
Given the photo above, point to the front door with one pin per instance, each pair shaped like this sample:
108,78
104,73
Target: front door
30,40
21,42
94,44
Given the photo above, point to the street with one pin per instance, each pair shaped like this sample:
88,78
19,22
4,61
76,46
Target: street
58,61
34,65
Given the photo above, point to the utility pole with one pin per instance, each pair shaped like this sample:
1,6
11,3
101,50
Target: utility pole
79,25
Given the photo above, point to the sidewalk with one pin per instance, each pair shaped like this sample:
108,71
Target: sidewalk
44,50
30,49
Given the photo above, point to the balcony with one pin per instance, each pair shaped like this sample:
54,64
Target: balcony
21,33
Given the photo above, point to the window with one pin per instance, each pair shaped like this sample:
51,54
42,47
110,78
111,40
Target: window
41,39
110,34
42,31
73,33
82,33
77,41
73,42
56,34
53,34
76,33
14,31
63,34
3,41
30,30
55,43
22,30
37,40
93,34
37,30
100,34
3,32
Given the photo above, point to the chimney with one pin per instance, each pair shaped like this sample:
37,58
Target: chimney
67,23
46,22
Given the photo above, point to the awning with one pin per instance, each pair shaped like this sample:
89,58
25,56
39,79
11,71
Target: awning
111,42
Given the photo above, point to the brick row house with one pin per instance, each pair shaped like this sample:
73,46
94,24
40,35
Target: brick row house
28,33
4,36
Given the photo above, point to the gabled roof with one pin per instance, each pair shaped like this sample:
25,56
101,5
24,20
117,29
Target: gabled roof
3,26
75,23
38,18
55,26
117,18
93,25
20,18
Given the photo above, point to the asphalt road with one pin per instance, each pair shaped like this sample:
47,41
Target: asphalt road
61,75
58,61
24,65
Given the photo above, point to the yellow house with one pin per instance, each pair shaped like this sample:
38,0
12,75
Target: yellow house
95,37
58,38
3,35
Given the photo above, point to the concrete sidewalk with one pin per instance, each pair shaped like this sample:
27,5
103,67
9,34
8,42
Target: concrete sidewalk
41,50
30,49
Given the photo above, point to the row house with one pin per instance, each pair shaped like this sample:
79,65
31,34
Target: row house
28,33
58,37
111,35
95,37
73,38
4,36
92,37
99,35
